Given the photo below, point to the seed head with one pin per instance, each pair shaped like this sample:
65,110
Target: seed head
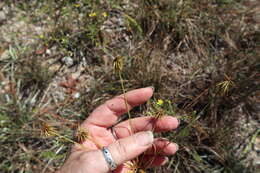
48,130
81,135
135,166
226,85
118,64
159,114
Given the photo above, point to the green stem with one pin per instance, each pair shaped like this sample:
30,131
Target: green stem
68,139
126,104
64,137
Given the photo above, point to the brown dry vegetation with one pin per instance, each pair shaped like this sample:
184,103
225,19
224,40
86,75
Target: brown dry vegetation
202,57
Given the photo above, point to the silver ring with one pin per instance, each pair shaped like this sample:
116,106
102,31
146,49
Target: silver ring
108,157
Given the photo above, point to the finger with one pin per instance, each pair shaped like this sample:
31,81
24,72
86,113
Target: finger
162,147
107,114
166,123
128,148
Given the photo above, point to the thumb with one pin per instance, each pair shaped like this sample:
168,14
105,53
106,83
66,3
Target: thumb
130,147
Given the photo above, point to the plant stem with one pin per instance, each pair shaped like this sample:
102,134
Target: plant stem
126,104
68,139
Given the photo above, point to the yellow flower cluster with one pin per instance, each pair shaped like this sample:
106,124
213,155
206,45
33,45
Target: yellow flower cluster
160,102
94,14
104,14
76,5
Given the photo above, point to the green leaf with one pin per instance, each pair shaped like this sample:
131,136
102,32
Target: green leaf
184,132
196,156
133,23
48,154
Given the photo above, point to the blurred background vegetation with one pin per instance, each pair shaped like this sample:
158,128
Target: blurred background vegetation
202,57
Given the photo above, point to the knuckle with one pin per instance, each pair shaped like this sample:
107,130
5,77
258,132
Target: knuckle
121,149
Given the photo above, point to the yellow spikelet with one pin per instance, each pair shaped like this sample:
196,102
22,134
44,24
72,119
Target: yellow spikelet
81,135
134,166
226,85
48,130
118,64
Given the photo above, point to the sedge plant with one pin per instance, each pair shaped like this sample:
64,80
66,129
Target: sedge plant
81,135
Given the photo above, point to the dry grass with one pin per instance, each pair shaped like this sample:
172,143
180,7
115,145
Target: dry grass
201,57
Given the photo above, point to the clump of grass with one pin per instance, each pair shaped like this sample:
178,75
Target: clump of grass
226,85
33,75
81,135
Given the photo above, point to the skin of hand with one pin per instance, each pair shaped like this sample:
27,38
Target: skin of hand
129,144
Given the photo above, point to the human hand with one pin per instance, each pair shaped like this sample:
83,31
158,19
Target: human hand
129,144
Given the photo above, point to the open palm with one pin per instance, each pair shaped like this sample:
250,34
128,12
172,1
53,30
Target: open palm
129,139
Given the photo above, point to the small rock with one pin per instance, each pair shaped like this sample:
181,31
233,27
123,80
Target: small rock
38,29
48,51
114,20
75,75
84,62
109,30
67,60
4,55
1,5
55,67
121,22
76,95
2,16
108,23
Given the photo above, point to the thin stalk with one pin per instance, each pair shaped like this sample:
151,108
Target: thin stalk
67,139
124,92
64,137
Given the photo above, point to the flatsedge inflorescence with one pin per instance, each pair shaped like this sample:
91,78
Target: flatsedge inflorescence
82,135
226,85
48,130
134,166
118,64
157,109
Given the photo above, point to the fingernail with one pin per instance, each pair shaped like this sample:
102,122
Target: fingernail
176,146
145,138
152,87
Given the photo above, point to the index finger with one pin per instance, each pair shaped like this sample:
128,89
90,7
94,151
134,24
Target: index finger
107,114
